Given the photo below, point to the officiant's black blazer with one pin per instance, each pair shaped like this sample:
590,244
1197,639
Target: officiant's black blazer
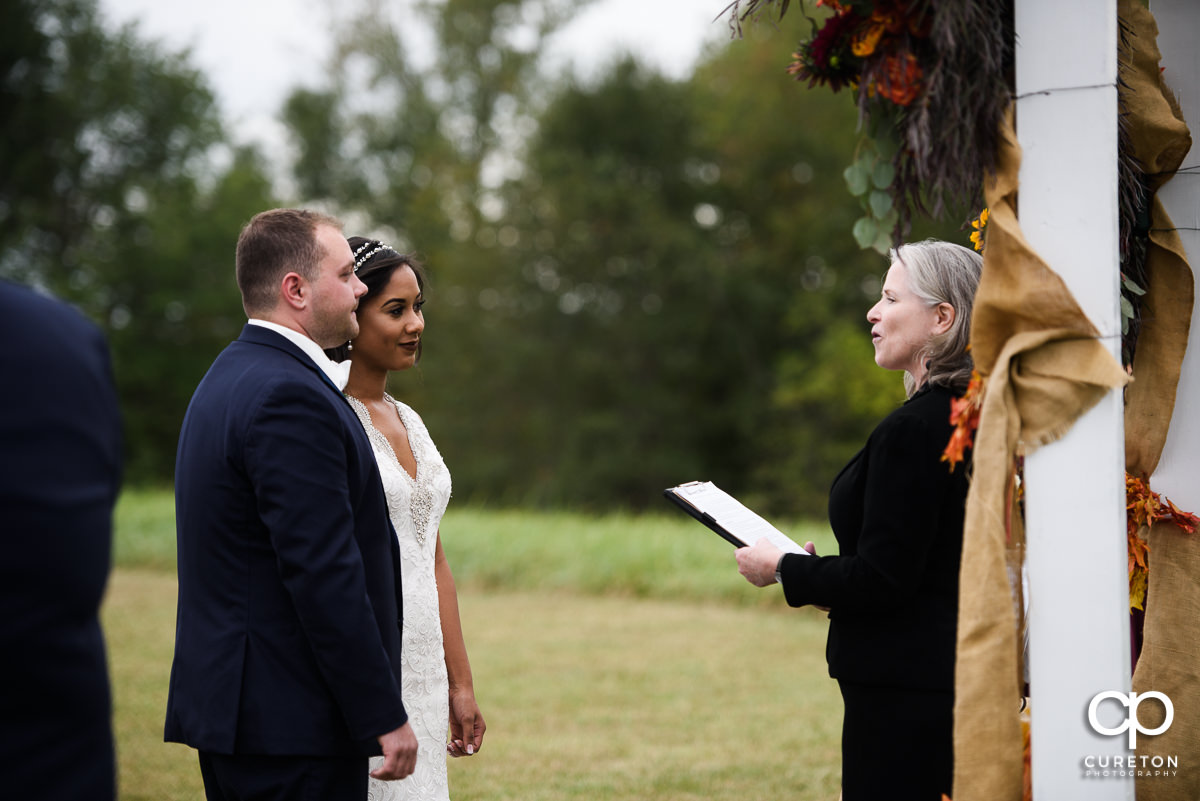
288,629
897,512
60,471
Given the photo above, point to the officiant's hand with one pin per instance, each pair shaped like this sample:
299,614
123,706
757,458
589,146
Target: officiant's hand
399,754
757,563
466,724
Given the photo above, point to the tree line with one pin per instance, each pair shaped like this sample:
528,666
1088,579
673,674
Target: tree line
634,280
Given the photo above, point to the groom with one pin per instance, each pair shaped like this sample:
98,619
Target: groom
287,647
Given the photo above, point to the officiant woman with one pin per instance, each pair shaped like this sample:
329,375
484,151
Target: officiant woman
897,512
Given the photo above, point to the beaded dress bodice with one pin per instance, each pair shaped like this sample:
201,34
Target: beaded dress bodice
416,506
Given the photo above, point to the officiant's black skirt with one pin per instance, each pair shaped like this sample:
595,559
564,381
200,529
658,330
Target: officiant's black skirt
897,744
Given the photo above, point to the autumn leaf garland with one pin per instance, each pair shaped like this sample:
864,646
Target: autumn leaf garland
1143,506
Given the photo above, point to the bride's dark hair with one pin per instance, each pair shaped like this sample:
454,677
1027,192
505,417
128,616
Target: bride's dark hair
374,263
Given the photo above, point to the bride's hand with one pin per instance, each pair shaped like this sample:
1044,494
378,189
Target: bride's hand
466,724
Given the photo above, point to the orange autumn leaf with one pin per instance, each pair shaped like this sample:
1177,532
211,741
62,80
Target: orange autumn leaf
960,440
1184,520
964,416
1138,582
1144,508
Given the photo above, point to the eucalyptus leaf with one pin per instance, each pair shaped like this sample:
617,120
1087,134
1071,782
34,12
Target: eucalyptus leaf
857,179
883,175
1132,287
883,241
866,230
1126,307
885,146
881,203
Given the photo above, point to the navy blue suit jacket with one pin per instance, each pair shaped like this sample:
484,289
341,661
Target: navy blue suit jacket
60,471
288,632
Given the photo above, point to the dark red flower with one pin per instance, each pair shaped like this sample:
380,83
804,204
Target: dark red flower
827,57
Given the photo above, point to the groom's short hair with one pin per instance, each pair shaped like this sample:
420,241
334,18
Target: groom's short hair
271,245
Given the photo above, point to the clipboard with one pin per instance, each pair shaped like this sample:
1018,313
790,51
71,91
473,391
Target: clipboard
727,516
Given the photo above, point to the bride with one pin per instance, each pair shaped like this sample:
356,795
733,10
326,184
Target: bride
436,682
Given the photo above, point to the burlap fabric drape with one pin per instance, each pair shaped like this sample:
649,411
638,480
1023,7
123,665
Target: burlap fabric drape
1044,369
1170,659
1159,140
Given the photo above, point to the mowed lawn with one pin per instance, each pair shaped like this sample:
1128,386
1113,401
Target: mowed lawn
615,657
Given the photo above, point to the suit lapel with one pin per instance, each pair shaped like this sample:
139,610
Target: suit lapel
258,335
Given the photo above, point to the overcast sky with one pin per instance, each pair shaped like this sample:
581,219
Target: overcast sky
254,51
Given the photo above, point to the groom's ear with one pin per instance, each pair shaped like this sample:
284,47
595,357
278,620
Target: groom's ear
294,291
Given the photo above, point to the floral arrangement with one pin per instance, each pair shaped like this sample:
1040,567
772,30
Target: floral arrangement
872,43
932,81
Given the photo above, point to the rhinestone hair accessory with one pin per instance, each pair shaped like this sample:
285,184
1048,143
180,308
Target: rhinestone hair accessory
365,252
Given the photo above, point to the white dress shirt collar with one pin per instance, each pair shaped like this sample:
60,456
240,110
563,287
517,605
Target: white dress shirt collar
338,372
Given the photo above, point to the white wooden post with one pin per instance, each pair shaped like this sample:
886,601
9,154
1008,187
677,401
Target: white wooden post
1178,31
1074,488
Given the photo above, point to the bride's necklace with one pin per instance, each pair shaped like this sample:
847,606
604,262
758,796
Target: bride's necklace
421,497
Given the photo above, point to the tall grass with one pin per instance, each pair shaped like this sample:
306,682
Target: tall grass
144,529
665,555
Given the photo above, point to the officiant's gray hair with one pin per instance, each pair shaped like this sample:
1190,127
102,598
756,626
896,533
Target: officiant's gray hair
943,272
271,245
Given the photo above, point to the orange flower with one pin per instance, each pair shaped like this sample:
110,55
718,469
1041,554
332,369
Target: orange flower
866,39
901,80
980,225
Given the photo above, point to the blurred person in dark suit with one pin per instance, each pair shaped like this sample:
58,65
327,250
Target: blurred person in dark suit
60,472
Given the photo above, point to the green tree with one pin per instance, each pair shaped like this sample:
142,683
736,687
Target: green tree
664,288
785,221
110,197
174,274
95,122
701,301
415,153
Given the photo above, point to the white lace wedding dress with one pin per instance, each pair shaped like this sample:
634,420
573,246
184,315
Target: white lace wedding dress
416,508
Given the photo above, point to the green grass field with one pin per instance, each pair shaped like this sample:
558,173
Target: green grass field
616,657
